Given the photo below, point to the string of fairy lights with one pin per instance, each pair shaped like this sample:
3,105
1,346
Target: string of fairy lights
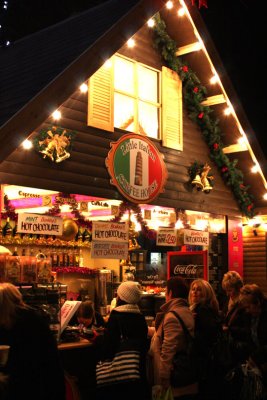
182,12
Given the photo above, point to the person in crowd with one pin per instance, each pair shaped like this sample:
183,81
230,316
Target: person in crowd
33,367
169,337
236,320
255,304
88,317
204,305
231,284
127,320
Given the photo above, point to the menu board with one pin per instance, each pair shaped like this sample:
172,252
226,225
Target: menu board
187,264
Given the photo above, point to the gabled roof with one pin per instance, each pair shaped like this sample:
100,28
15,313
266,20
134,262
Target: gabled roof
41,71
34,71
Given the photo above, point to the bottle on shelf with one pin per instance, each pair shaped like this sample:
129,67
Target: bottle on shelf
15,252
71,258
54,258
60,258
7,231
65,258
23,253
76,257
81,258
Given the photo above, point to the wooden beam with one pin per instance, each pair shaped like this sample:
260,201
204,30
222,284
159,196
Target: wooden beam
213,100
235,148
189,48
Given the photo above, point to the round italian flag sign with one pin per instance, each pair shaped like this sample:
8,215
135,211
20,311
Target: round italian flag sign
136,168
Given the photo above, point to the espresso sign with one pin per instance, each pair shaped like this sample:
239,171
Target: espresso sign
197,238
166,237
187,264
40,224
110,232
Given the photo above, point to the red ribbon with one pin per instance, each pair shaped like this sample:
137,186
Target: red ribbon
201,3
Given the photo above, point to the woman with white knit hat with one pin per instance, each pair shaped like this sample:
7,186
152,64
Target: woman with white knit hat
126,319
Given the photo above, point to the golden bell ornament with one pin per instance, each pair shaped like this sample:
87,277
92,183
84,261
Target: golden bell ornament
70,229
197,182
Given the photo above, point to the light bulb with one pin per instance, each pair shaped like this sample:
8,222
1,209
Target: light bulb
227,111
83,88
56,115
108,63
255,169
151,23
27,144
169,4
265,196
181,12
131,43
214,79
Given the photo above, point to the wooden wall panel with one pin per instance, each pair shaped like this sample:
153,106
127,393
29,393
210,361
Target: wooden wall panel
255,257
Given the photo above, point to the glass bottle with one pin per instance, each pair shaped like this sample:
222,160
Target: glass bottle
7,231
76,257
80,258
15,252
71,258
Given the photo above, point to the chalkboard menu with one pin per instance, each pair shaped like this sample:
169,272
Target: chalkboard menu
187,264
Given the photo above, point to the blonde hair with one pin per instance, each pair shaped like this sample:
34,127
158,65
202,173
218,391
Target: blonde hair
10,301
232,280
208,294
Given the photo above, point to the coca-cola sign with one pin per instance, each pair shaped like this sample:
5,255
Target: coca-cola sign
190,269
188,264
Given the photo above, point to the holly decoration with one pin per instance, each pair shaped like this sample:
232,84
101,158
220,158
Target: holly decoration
202,115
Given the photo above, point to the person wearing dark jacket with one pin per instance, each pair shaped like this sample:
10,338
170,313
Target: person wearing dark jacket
204,305
126,320
33,367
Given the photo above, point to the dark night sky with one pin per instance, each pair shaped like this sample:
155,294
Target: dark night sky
238,29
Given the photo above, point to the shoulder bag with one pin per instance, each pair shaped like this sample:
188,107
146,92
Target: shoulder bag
124,367
185,368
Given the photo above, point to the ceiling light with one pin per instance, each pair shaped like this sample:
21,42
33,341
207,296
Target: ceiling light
169,4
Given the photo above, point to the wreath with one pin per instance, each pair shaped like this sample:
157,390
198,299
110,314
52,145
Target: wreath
54,143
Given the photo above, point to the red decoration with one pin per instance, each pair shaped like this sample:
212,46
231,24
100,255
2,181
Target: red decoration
83,270
201,3
201,115
195,90
242,186
215,146
224,169
249,207
184,68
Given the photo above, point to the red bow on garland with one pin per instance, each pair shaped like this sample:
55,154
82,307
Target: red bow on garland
201,3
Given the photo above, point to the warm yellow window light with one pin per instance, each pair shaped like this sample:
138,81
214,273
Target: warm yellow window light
131,43
83,88
181,12
56,115
27,144
169,4
151,23
255,169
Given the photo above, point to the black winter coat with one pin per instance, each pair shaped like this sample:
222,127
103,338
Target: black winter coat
33,365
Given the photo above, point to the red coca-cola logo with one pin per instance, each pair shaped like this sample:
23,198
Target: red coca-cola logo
190,269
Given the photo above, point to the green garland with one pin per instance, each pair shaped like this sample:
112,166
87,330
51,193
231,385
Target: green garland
194,93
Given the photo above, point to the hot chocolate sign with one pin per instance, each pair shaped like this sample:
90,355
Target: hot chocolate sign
187,264
136,168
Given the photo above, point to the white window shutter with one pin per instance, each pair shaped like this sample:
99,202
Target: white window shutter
101,98
172,110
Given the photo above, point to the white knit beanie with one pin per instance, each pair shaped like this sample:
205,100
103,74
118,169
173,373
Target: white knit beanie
129,292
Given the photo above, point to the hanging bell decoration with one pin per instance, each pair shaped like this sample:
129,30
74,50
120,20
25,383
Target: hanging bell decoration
197,182
205,179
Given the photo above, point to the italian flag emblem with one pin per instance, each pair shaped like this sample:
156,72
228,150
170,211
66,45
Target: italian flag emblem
136,168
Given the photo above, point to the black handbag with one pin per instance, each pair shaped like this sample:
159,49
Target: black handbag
185,364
